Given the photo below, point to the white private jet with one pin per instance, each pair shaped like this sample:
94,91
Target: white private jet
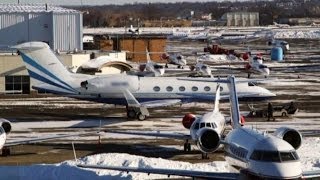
175,59
202,69
189,35
5,129
50,75
151,68
255,154
255,65
205,131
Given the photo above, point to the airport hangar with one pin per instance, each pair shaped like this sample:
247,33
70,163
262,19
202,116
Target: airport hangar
59,27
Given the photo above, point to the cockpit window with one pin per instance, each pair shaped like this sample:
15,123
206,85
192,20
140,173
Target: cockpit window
196,126
208,125
251,84
273,156
289,156
179,57
213,125
158,66
262,66
202,125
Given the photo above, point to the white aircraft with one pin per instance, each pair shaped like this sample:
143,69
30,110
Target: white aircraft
176,59
189,35
202,69
255,65
5,129
253,153
136,93
134,31
205,131
151,68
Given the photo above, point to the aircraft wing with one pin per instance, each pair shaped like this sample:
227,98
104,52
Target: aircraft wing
169,172
310,133
153,134
311,174
44,138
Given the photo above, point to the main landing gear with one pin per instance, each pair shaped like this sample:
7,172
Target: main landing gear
204,156
141,113
187,146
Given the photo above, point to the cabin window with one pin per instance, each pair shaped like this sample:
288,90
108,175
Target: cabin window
182,88
156,88
169,88
194,88
207,88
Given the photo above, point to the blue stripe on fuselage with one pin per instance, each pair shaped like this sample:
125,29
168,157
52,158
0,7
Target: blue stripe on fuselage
34,64
45,80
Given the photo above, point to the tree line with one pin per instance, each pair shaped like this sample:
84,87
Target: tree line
124,15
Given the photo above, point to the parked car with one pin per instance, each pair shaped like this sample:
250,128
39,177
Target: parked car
280,110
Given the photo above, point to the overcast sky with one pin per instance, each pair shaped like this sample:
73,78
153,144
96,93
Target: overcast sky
98,2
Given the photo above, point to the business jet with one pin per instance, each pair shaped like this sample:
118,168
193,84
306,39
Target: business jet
175,59
211,124
255,154
255,65
50,75
6,127
150,68
189,35
134,31
202,69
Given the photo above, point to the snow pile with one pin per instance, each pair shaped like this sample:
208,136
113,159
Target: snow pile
67,170
297,34
309,154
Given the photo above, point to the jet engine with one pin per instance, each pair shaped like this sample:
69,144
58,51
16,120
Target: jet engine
208,140
5,125
292,136
187,120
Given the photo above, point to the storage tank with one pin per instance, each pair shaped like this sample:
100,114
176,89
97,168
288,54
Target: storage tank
276,54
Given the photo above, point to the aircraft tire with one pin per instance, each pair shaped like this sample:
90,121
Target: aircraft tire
141,117
131,114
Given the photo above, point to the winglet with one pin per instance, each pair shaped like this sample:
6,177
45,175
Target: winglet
217,99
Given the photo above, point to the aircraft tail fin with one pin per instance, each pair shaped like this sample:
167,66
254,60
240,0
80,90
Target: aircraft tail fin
148,55
234,103
44,67
217,99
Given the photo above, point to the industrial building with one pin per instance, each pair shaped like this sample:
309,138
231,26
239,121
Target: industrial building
241,18
61,28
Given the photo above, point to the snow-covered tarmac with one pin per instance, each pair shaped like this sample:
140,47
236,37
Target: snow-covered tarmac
309,154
